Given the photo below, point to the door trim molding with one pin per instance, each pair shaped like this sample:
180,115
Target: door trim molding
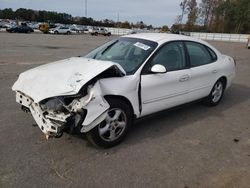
165,97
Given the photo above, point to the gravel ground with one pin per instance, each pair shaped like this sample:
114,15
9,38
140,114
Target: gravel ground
193,146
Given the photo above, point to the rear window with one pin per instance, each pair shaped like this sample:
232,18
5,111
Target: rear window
198,54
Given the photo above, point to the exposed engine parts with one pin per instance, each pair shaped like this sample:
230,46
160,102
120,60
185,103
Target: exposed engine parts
59,114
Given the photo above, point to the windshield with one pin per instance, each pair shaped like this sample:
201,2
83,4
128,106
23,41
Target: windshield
130,53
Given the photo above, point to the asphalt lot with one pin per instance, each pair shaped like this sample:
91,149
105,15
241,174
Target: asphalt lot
194,146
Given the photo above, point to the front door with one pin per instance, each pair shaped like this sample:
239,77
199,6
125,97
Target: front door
165,90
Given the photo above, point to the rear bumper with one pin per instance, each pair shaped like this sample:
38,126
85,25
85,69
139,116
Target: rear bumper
230,79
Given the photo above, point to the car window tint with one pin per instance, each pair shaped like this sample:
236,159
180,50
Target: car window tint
213,54
198,54
172,56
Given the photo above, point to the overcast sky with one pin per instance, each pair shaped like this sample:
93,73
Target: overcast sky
155,12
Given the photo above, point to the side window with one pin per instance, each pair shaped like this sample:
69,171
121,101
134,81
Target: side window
172,56
198,54
213,54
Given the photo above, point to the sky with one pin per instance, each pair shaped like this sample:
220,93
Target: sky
155,12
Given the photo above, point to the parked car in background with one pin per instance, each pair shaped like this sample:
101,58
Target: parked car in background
60,30
127,78
75,29
99,31
85,29
34,25
23,28
45,27
7,25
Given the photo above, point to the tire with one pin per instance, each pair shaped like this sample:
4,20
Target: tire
115,127
56,32
216,93
68,32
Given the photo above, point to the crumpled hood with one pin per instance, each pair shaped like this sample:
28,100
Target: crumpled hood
65,77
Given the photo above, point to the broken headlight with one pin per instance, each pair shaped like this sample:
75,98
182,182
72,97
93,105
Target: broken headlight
55,104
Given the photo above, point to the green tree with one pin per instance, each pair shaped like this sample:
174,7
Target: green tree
7,13
164,28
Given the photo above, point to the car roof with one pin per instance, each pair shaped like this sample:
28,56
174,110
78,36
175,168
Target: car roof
162,37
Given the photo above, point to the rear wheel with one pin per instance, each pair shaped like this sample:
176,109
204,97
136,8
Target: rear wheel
216,94
114,128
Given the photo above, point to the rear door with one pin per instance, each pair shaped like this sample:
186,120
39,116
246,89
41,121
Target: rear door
203,70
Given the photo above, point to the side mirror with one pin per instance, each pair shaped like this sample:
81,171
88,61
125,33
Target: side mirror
158,69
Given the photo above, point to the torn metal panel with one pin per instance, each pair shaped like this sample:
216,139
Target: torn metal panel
64,77
123,86
53,115
97,106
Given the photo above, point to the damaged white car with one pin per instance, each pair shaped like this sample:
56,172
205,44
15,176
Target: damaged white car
127,78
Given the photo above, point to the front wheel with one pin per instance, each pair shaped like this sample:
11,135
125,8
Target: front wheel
114,128
216,94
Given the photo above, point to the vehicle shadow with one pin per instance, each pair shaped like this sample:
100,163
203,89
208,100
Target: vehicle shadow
165,122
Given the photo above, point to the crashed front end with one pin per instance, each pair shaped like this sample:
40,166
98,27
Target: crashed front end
66,113
65,95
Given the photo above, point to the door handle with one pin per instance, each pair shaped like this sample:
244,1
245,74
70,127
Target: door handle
184,78
214,71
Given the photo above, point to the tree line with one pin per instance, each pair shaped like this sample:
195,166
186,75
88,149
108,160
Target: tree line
221,16
63,18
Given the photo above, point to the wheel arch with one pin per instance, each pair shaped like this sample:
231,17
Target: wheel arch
224,80
122,98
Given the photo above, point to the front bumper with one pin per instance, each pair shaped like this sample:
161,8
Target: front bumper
88,112
43,121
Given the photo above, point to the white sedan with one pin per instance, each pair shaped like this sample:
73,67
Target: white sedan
60,30
127,78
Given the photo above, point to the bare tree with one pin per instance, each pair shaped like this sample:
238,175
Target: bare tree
192,13
177,19
183,6
207,8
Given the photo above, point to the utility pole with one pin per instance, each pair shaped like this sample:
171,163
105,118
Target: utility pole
118,24
86,8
